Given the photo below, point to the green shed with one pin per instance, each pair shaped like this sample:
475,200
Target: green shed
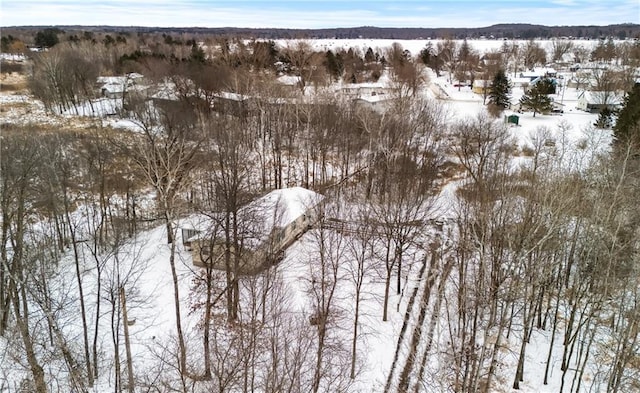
513,119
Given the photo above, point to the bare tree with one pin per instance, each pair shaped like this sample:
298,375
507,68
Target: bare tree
325,279
405,71
360,248
166,154
559,48
19,171
534,54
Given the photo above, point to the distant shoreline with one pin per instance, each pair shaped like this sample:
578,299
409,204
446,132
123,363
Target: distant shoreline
499,31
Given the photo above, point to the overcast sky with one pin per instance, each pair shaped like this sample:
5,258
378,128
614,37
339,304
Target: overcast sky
317,14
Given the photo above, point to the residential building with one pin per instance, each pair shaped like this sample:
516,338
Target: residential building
266,227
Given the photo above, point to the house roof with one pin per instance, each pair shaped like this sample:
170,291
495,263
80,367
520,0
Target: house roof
372,99
598,97
519,81
259,218
289,80
281,207
232,96
538,71
166,90
113,88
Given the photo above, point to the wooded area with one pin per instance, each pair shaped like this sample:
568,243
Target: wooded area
551,245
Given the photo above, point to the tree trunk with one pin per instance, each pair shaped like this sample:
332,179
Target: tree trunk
127,345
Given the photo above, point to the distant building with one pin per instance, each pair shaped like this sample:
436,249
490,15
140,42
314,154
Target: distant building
481,86
375,102
595,101
116,87
233,103
541,72
356,90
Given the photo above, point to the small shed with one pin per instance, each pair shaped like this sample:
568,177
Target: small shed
512,119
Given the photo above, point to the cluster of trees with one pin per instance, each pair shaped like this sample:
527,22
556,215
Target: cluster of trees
11,44
64,77
526,259
525,255
197,159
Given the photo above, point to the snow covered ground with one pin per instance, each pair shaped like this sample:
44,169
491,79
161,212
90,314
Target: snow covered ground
143,262
415,46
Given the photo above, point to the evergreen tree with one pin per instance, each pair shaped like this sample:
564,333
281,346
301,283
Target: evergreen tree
429,58
369,57
627,126
5,41
334,65
47,38
500,94
604,119
536,98
197,54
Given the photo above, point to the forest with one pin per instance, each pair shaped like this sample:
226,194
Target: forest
443,247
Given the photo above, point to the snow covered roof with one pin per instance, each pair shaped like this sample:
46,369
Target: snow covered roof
118,84
281,207
375,98
599,97
520,81
546,70
364,85
259,218
113,87
538,72
289,80
232,96
166,91
107,80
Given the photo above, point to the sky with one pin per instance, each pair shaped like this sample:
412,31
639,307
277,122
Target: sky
317,14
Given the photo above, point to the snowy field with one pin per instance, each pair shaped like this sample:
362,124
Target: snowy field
415,46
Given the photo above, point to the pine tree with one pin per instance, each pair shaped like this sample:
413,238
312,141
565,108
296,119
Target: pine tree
604,118
537,99
197,54
334,65
369,57
500,94
627,126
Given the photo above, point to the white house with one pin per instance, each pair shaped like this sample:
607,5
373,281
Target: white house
539,72
356,90
595,101
118,86
519,82
266,227
375,102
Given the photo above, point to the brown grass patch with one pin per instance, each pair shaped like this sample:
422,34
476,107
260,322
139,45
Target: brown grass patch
11,87
451,170
527,151
8,67
7,106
